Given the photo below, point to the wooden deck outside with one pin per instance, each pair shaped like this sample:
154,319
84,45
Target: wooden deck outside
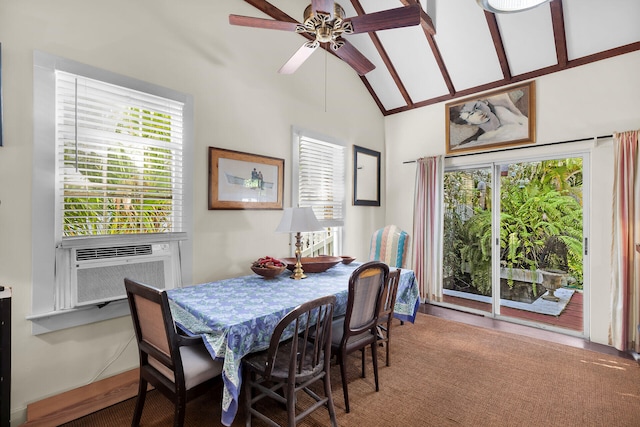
570,318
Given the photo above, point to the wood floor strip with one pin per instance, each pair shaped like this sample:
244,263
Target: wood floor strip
82,401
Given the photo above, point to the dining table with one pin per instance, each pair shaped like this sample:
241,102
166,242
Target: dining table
237,316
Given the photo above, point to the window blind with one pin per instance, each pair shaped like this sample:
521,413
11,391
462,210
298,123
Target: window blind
119,159
321,180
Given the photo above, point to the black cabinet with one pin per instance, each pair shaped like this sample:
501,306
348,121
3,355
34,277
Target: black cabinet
5,357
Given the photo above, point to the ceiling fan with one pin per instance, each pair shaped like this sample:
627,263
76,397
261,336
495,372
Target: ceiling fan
325,22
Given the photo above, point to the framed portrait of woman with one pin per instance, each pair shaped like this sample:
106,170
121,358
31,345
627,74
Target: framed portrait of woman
493,120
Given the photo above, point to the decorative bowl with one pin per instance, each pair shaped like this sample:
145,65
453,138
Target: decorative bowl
268,272
347,259
316,264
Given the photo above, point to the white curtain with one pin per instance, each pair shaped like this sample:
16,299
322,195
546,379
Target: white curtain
427,227
625,284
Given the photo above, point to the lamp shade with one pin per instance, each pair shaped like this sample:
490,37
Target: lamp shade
298,220
509,6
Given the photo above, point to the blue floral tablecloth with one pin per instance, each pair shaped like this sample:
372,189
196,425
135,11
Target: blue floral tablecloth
237,316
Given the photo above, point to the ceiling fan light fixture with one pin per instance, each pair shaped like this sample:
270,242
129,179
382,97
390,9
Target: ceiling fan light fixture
338,13
325,28
324,34
509,6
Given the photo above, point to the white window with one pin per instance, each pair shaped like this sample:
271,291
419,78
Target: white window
119,159
111,190
319,182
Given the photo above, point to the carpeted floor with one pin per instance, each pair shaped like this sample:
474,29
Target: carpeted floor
445,373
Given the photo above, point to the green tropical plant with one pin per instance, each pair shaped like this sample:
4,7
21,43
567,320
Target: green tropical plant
476,252
530,218
123,192
539,201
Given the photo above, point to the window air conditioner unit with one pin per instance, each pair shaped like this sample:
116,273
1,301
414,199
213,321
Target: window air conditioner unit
97,274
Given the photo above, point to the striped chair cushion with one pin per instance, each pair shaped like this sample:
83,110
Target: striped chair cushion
389,245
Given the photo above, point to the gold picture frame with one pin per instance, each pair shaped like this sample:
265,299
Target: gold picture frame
240,180
497,119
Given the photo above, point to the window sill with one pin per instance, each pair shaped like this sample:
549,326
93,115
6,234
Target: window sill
57,320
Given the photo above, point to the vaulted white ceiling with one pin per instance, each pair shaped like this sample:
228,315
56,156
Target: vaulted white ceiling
459,49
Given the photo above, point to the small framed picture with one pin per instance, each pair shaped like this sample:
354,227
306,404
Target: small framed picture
244,181
366,177
497,119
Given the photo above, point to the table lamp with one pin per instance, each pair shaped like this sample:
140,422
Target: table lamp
298,220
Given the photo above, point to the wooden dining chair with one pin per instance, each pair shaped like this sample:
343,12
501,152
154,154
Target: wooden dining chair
292,364
357,329
387,305
180,367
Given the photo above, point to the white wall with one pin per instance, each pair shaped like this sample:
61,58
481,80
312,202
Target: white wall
584,102
241,103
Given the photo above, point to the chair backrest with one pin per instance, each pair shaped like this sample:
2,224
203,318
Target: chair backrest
389,245
309,328
389,293
154,327
365,294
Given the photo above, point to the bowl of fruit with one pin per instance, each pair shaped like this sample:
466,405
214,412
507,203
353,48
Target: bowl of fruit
268,267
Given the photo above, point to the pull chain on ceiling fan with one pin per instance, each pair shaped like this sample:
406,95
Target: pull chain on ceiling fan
325,22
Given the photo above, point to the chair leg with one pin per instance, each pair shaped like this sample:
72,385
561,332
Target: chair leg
327,393
343,374
388,360
248,379
180,411
374,356
364,375
142,394
291,404
387,342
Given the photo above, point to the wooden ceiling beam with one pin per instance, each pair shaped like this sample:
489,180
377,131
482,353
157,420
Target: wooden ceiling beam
374,95
559,34
621,50
385,57
429,32
425,19
392,70
441,65
496,36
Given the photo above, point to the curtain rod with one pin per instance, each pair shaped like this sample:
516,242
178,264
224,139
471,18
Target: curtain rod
521,146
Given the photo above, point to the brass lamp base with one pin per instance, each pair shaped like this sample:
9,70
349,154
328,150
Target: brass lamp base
297,270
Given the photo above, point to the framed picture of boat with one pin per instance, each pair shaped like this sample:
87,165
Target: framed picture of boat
240,180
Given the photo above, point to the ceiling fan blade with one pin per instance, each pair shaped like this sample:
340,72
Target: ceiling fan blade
248,21
298,58
406,16
323,6
352,56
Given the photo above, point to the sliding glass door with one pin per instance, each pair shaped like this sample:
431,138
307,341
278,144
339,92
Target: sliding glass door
467,278
513,241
